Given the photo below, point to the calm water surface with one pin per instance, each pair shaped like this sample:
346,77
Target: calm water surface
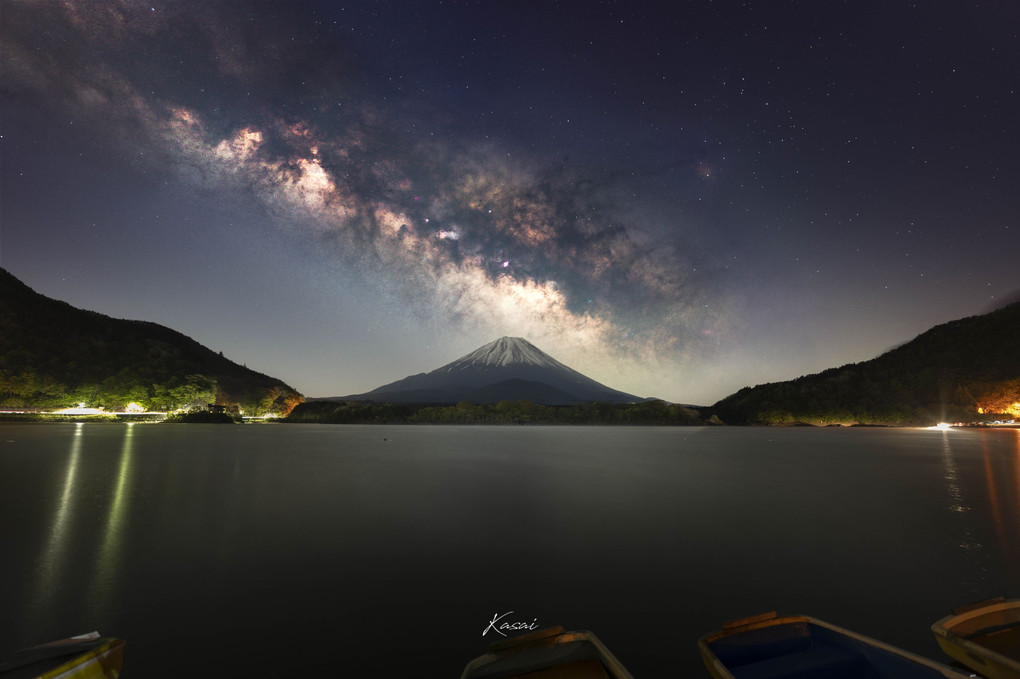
262,551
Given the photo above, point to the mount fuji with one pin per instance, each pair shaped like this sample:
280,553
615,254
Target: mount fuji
508,369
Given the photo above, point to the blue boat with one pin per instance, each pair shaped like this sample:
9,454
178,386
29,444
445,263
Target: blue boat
770,647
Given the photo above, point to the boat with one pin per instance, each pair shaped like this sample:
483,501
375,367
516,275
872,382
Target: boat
984,636
87,656
767,646
547,654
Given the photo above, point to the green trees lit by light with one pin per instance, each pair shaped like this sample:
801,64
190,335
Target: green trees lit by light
113,394
504,412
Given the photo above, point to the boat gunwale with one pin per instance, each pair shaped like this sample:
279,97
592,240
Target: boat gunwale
947,638
750,624
549,637
761,622
85,655
93,662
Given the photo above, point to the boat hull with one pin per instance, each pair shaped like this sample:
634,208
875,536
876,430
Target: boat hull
549,653
772,647
83,657
984,636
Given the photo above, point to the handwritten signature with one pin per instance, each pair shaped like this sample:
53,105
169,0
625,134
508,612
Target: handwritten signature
508,626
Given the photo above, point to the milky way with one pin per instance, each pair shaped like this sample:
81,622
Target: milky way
601,258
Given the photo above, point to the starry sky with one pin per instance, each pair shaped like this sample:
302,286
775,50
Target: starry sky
677,199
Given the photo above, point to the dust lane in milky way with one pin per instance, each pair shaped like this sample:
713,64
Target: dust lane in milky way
676,203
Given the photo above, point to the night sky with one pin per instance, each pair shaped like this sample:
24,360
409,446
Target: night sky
677,199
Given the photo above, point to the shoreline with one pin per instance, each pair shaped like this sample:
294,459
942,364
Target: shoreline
163,418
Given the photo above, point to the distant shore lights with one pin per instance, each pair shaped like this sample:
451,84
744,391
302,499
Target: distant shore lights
80,409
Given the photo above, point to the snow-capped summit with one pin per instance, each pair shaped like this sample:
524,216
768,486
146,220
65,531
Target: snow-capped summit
510,368
506,351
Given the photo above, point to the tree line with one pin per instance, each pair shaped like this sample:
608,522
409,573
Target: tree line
652,412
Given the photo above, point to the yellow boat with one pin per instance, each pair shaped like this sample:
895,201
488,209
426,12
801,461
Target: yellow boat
984,636
87,656
770,647
547,654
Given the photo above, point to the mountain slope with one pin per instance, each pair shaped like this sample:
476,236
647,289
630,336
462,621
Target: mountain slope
509,368
965,370
54,355
521,390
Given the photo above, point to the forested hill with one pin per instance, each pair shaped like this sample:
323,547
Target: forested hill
963,371
53,355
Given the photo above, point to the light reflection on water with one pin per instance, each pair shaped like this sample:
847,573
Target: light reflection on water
104,585
1002,480
956,504
51,564
321,536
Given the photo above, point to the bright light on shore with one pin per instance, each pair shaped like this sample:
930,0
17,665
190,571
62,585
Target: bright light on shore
82,409
941,426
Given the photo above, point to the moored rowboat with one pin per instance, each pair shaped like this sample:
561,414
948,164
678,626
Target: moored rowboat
770,647
548,653
87,656
984,636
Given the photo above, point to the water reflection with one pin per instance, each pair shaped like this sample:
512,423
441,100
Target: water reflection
51,563
957,505
1016,470
1002,478
113,536
335,531
952,476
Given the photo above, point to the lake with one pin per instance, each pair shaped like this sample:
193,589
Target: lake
269,550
